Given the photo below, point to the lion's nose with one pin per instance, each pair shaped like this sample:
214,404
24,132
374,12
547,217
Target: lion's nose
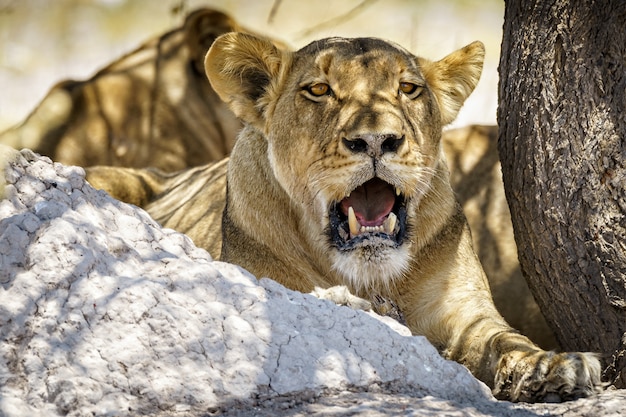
374,145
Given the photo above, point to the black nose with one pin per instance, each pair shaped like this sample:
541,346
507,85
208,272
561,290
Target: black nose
375,145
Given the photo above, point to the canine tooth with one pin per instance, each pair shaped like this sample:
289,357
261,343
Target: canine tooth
353,222
397,191
390,223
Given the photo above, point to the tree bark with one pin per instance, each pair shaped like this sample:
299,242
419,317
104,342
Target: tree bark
562,143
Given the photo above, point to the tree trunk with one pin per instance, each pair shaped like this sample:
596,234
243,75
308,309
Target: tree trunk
562,142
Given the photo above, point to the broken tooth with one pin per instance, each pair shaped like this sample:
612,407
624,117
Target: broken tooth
390,223
355,227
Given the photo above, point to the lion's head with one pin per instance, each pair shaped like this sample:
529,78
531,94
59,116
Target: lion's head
351,132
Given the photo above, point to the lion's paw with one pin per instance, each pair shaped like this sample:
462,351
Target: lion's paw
387,307
542,376
340,295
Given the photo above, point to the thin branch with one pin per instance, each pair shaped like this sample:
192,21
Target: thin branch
337,20
275,6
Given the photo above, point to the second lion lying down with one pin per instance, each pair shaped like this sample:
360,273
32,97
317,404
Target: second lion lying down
339,178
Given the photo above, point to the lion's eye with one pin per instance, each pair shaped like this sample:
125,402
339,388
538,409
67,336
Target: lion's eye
319,89
410,89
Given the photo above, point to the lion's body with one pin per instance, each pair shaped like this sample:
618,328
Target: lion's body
339,179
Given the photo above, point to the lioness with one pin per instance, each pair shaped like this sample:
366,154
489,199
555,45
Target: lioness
339,179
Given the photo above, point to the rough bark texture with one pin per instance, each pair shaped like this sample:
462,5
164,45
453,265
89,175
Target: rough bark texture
562,144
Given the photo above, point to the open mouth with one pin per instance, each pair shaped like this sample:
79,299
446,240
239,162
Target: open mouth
374,212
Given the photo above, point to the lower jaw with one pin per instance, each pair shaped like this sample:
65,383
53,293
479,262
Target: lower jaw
368,242
372,267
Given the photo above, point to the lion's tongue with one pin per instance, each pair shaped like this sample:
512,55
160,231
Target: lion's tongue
372,202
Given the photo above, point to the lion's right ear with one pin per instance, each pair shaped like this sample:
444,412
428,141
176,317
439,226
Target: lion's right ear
242,69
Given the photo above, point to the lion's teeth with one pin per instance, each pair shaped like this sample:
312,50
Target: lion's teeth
397,191
390,223
355,227
371,229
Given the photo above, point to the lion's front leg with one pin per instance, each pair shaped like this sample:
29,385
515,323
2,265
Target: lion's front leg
130,185
451,304
518,370
513,366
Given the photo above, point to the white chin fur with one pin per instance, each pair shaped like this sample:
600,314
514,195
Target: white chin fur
365,270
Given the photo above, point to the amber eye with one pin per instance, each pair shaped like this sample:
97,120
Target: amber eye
409,88
319,89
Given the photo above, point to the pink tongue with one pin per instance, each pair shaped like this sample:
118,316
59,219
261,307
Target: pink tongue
371,202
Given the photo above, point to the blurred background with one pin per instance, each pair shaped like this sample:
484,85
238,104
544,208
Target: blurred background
45,41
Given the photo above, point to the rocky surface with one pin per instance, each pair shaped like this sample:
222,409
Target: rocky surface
104,313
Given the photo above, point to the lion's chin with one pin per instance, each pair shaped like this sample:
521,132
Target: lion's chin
372,267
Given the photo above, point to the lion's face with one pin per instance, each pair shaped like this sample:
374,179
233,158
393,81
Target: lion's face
361,150
353,129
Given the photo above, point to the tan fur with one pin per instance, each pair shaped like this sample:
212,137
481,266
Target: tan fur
301,158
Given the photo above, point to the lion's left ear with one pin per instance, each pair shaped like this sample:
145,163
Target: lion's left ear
453,78
241,69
